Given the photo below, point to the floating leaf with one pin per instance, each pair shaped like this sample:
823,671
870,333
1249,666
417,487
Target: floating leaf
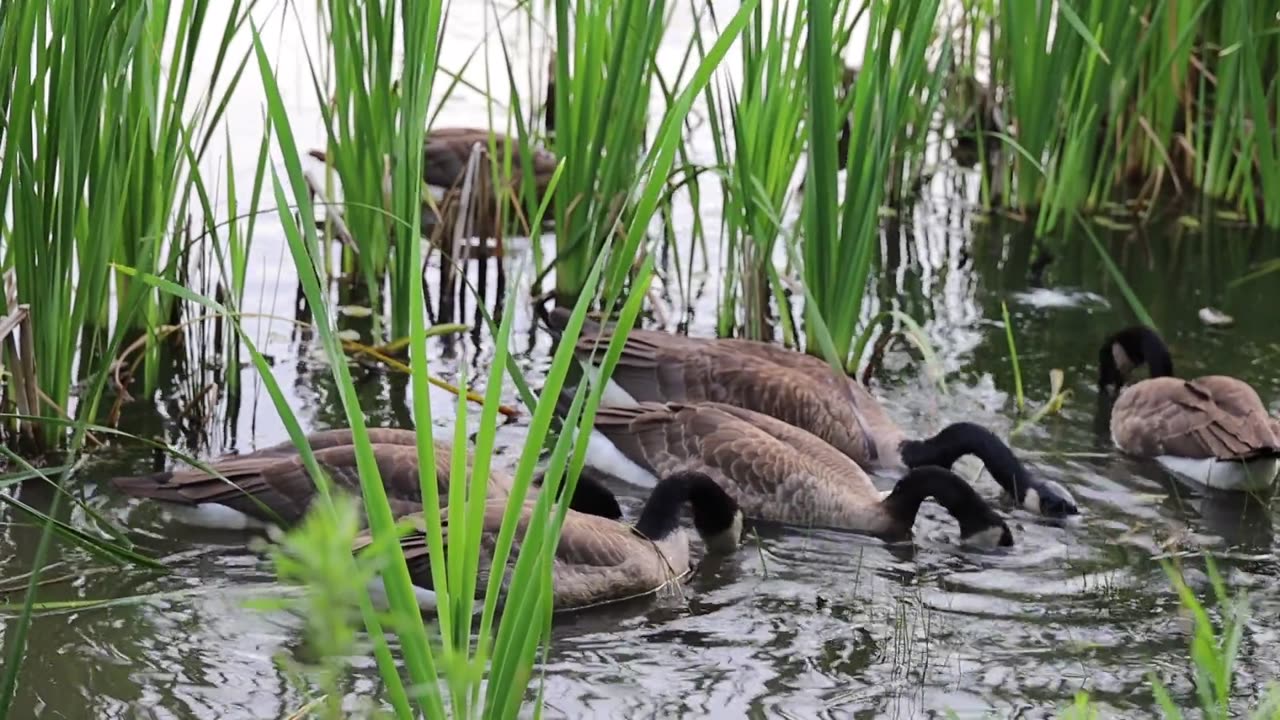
355,311
1215,318
1104,221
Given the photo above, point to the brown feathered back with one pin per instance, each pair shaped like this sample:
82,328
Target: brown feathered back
775,471
273,484
796,388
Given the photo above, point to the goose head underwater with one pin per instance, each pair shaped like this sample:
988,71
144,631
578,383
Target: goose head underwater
1211,430
801,390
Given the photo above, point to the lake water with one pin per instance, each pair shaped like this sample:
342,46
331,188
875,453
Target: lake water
798,623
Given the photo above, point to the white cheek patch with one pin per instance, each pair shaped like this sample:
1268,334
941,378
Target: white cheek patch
1031,500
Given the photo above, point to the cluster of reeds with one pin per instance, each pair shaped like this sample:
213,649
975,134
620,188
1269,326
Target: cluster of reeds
105,119
896,91
1107,102
603,75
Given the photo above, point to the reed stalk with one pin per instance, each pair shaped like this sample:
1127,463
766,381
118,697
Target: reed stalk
841,234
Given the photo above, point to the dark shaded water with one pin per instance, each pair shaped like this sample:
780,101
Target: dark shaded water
802,623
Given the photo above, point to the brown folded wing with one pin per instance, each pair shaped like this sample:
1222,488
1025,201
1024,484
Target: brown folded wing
661,367
775,471
1209,417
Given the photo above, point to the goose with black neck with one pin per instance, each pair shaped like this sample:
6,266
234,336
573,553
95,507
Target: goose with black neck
803,391
777,472
1212,431
600,560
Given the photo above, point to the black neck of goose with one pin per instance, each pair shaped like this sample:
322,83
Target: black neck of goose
964,438
714,511
951,491
590,496
1143,346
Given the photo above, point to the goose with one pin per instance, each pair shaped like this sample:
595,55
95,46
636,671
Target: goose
271,486
801,390
778,472
1212,430
446,152
597,559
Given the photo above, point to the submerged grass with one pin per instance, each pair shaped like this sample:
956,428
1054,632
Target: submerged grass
1214,650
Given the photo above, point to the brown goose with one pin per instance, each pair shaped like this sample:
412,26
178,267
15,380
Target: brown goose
1211,430
272,486
778,472
598,559
445,154
800,390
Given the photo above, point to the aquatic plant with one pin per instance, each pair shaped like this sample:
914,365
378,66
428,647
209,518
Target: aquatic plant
758,133
504,645
1158,98
841,234
103,130
604,70
1214,649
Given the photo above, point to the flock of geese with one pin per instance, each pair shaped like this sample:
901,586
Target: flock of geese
735,429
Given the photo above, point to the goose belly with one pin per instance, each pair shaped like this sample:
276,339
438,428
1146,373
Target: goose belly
214,517
1230,475
613,393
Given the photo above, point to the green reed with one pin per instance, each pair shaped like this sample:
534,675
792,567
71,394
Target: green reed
841,234
504,646
758,131
1155,99
370,113
1214,649
102,132
605,62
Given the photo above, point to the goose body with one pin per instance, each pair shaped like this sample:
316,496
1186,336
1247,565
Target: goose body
777,472
1212,430
802,391
597,559
271,486
446,152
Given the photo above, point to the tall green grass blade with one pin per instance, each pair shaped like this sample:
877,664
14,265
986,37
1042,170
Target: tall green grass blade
1013,355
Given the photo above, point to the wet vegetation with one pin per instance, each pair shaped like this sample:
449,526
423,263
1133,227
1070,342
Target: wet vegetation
767,171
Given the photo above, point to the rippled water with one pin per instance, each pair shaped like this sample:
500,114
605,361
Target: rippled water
798,623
